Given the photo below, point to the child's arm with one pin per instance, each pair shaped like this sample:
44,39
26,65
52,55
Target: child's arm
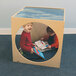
55,44
45,38
32,45
32,51
23,44
49,47
28,48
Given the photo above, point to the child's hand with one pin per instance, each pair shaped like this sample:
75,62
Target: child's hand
42,39
35,47
49,47
32,50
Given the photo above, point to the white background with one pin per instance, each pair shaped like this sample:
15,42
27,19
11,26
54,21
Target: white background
9,7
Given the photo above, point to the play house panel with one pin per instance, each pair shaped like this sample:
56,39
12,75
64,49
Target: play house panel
52,17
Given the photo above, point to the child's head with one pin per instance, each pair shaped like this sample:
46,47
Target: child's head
28,27
50,31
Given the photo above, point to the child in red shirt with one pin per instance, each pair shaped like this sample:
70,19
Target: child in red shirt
25,40
51,38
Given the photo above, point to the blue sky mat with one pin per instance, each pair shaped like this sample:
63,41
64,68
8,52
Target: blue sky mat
42,13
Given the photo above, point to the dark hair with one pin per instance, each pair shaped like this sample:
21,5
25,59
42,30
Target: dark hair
48,29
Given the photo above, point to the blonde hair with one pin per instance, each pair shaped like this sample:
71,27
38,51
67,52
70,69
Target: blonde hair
28,23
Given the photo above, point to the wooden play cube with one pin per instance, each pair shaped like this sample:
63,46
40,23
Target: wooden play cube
52,17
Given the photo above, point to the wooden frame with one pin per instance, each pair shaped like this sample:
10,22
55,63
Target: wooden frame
57,26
